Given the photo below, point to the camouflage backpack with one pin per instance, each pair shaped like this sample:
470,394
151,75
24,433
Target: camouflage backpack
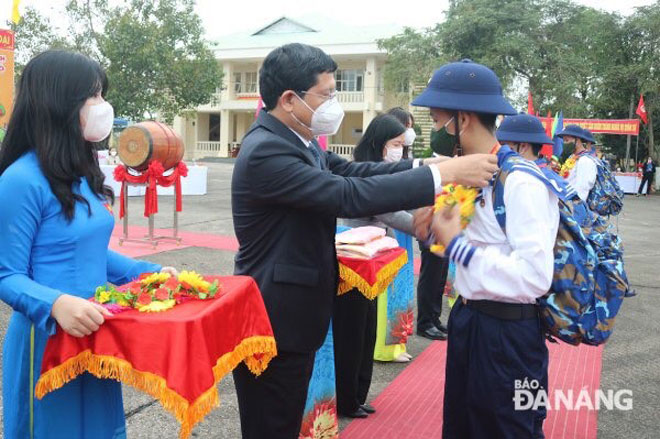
606,197
584,296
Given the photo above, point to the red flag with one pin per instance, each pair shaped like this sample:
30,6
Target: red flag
641,110
260,105
530,103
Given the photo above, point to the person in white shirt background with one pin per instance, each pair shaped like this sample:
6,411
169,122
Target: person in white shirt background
495,334
583,175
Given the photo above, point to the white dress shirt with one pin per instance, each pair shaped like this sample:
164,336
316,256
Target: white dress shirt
583,176
516,267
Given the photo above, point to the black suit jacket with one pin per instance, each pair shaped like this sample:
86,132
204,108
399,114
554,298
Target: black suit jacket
285,209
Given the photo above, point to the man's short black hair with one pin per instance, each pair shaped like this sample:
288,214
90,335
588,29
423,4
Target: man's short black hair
536,147
487,120
292,67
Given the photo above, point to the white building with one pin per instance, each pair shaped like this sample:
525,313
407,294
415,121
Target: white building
215,129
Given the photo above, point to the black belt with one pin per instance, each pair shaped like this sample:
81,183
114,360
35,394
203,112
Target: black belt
504,311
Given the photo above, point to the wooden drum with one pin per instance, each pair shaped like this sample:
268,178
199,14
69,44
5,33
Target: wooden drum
143,142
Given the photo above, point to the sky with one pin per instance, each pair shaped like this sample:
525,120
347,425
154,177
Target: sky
228,17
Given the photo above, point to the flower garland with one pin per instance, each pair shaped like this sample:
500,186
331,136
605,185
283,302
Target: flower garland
568,165
156,292
451,195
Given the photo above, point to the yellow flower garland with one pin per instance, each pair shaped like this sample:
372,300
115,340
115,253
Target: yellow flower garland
451,195
567,166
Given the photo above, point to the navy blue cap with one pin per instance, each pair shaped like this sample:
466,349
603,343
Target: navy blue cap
577,131
522,128
588,136
465,86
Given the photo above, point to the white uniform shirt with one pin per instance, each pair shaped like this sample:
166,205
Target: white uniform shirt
516,267
583,176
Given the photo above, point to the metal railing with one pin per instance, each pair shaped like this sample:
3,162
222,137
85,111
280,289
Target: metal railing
345,151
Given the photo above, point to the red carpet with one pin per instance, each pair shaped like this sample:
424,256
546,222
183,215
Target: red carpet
189,239
411,406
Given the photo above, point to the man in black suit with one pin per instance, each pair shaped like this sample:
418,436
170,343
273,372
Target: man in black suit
286,196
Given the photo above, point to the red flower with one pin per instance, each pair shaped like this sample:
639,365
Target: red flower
144,299
162,294
172,283
403,327
129,286
185,286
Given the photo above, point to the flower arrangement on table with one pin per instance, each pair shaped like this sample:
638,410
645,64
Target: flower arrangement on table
156,292
451,195
567,166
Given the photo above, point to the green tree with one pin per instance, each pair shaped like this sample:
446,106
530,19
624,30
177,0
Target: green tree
154,52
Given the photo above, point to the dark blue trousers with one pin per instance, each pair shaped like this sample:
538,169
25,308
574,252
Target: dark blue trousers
485,357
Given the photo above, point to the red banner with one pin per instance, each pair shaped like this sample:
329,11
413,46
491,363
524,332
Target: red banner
605,126
6,77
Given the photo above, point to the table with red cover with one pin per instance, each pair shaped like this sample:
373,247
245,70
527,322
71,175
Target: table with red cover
176,356
370,276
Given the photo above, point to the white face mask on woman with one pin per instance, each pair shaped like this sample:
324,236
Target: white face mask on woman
326,119
393,154
98,121
409,137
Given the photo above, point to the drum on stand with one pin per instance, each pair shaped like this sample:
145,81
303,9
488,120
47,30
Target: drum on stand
143,142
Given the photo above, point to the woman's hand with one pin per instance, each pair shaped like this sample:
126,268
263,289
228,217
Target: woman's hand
77,316
422,219
170,270
446,224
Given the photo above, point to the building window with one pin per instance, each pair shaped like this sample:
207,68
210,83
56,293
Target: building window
250,82
245,82
349,80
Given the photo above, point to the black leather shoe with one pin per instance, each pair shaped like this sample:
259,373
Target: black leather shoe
441,327
368,408
432,333
357,414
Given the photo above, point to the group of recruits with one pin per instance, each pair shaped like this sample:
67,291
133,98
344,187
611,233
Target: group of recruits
495,335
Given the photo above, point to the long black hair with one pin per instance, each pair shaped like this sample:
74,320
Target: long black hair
405,117
383,128
46,118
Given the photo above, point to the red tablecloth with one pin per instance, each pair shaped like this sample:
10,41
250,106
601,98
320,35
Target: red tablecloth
371,277
177,356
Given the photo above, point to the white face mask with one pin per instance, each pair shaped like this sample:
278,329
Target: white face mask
100,118
409,137
326,119
393,155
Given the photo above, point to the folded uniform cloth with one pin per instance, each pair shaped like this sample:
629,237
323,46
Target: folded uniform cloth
368,250
360,235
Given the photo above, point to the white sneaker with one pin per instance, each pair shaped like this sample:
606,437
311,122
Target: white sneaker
401,359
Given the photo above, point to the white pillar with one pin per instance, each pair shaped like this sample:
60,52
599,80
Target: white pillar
370,92
227,93
225,133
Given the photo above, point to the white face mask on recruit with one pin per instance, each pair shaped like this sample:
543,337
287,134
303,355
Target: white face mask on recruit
326,119
98,125
393,155
409,137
